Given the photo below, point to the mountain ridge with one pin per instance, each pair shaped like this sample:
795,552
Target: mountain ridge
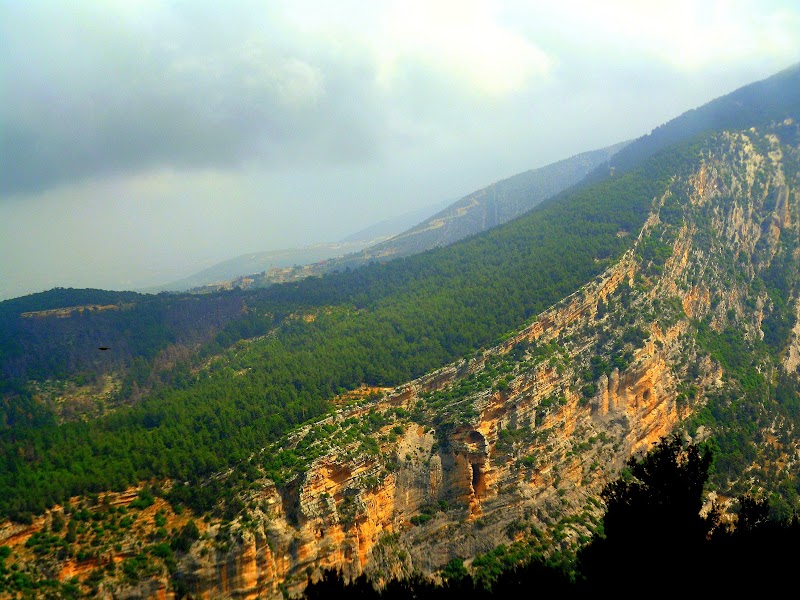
755,102
468,216
485,208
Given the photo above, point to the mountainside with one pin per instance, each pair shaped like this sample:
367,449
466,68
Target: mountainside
689,329
459,409
491,206
478,212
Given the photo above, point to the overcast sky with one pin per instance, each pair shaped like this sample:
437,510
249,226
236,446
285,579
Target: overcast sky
141,141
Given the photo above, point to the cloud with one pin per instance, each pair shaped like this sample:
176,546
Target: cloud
118,88
684,35
110,88
461,38
94,90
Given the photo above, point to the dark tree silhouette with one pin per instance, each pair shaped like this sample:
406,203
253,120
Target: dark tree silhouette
757,553
652,530
333,584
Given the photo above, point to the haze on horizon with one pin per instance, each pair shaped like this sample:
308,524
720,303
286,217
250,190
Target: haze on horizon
145,140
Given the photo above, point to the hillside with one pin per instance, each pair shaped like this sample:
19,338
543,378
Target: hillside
512,446
467,404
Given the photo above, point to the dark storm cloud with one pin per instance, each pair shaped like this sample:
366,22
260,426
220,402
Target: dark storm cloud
90,91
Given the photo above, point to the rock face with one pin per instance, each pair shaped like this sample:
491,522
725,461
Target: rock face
513,445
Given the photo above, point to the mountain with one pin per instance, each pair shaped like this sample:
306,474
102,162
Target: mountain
456,410
239,268
486,208
220,275
390,227
498,203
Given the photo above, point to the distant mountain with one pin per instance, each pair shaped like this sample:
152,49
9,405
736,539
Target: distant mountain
410,233
391,227
480,211
258,262
494,205
238,268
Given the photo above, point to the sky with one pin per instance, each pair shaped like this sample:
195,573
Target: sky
142,141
